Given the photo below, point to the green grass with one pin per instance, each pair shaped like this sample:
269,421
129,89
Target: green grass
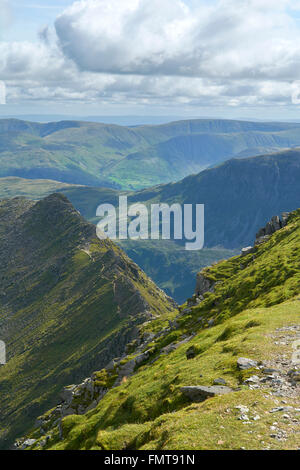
148,411
70,304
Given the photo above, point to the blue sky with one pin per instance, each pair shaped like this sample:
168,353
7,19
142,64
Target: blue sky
29,16
231,58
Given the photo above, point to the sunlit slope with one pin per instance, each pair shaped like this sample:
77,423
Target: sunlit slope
69,303
252,313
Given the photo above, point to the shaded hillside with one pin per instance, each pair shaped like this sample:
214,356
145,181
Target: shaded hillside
132,158
222,374
69,303
239,195
172,267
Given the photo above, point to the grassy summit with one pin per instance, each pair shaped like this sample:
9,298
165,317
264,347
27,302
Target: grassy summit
252,313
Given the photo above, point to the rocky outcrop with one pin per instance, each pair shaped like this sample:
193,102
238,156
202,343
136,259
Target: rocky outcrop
203,285
79,399
264,234
275,224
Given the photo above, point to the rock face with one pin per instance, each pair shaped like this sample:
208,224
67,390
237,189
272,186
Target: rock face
199,393
244,364
263,235
203,285
275,224
78,399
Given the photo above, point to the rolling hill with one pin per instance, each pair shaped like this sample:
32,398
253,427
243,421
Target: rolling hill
132,157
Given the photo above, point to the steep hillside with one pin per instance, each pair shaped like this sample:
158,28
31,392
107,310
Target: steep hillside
69,303
239,197
222,373
131,158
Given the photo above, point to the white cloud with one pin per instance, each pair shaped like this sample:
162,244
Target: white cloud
230,38
221,53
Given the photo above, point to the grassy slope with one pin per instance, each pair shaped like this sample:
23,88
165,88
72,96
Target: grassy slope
253,298
131,158
68,302
11,187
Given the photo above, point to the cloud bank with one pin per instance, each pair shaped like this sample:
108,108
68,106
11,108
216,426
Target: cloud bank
216,53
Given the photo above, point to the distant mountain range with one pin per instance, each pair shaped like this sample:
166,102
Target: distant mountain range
126,120
130,158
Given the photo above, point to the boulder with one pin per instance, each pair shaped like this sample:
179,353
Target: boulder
269,371
142,357
248,250
285,217
28,443
219,381
276,223
200,393
169,348
244,364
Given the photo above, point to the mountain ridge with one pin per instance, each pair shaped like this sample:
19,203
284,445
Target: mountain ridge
65,297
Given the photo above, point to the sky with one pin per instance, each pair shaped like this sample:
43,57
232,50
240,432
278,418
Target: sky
196,58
